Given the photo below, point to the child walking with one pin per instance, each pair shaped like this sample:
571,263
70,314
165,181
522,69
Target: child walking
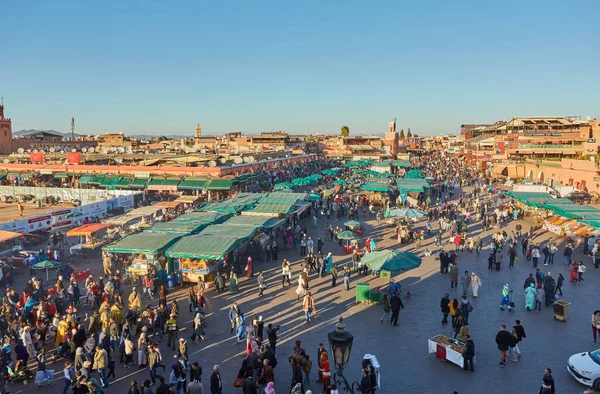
386,309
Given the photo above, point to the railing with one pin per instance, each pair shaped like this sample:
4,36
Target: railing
547,146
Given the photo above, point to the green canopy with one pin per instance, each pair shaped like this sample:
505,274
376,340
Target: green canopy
270,209
352,224
97,180
346,235
340,182
138,183
407,213
203,247
230,206
391,260
193,184
124,182
150,243
413,174
61,175
180,227
84,180
220,184
328,172
239,230
314,197
42,265
375,187
206,217
283,185
402,163
256,221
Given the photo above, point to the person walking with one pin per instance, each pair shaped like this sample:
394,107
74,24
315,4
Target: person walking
567,254
395,304
261,283
512,255
445,307
308,306
552,249
286,272
513,349
548,386
530,293
535,255
475,284
596,323
469,354
539,297
503,339
580,271
520,331
386,309
347,274
465,280
334,274
453,275
549,286
559,282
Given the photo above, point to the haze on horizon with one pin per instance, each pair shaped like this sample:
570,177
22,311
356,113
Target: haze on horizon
159,68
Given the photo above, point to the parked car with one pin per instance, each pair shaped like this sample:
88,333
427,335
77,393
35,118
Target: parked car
580,197
585,368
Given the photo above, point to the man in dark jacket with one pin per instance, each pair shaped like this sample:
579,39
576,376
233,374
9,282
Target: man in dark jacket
520,332
249,385
548,381
503,339
529,281
272,335
549,286
395,304
216,386
469,354
365,382
445,308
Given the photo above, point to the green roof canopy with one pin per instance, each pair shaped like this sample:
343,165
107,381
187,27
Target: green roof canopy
241,231
124,181
61,175
151,243
227,206
206,217
138,183
220,184
180,227
270,209
164,182
96,180
26,176
257,221
85,179
203,247
401,163
192,184
110,181
2,176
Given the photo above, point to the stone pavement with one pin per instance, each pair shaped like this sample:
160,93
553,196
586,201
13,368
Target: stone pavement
406,367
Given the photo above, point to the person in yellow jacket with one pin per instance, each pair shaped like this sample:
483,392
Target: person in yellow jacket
116,312
100,364
61,331
135,304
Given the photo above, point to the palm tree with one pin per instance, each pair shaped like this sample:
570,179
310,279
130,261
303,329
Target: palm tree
402,134
345,131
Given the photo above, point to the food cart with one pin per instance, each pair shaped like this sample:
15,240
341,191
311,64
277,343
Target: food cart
447,349
144,250
92,236
196,257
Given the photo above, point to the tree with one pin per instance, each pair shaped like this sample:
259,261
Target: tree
409,134
416,135
345,131
401,134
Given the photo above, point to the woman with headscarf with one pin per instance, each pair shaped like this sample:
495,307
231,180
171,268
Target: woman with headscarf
301,289
233,283
530,293
475,284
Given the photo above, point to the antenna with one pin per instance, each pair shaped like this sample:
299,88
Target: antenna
72,129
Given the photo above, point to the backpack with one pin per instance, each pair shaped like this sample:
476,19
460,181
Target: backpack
469,308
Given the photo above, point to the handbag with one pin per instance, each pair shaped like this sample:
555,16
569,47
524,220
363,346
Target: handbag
238,382
516,259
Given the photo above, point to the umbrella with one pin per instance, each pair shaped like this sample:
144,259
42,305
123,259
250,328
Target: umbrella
328,172
283,185
340,182
391,260
346,235
314,197
429,178
46,265
300,182
408,213
352,223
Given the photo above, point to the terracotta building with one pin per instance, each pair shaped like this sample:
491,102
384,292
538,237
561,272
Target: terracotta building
6,146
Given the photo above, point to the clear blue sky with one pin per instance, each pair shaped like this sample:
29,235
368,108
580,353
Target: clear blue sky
160,67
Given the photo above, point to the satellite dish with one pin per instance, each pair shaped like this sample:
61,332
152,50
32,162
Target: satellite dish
35,151
223,160
20,150
52,150
203,151
251,159
62,151
28,150
104,150
120,149
246,159
238,160
91,150
129,150
42,151
6,161
212,163
84,150
73,150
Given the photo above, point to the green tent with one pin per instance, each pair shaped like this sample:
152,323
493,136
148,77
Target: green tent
241,231
150,243
352,224
203,247
314,197
283,185
413,174
256,221
206,217
180,227
391,260
340,182
346,235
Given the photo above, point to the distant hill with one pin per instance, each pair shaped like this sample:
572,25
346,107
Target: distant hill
22,133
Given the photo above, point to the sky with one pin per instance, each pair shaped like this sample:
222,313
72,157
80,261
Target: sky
160,67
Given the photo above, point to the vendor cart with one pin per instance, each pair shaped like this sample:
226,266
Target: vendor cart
447,349
561,310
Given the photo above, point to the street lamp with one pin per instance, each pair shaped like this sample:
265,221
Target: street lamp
340,343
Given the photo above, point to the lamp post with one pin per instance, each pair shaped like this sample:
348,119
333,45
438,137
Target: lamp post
340,344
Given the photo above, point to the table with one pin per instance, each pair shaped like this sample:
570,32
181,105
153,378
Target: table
445,353
75,249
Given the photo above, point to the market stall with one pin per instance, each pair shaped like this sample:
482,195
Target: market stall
181,228
9,242
144,251
92,236
137,219
198,256
447,349
207,217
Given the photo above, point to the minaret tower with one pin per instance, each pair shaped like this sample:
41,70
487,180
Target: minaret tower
5,131
198,131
